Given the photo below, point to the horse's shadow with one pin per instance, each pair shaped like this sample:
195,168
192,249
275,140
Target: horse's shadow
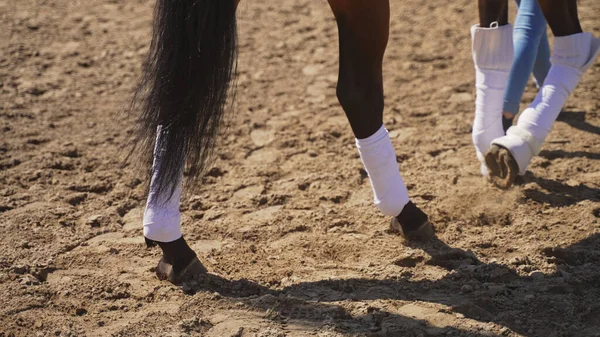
561,194
553,154
310,304
564,302
576,119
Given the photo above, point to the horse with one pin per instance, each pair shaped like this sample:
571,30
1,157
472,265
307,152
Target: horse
188,77
506,151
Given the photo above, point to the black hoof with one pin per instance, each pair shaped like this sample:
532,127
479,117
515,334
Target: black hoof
178,263
165,271
412,224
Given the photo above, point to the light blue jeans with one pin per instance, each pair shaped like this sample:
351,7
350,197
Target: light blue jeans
532,52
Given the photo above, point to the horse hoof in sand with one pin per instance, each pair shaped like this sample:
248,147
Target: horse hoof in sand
165,271
423,232
412,224
502,165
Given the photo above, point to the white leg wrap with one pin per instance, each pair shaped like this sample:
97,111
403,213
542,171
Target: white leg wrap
493,57
162,219
379,158
572,56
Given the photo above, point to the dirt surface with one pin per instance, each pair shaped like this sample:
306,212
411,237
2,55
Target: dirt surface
284,220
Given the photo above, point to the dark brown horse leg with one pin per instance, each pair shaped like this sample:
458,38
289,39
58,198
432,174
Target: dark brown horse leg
493,11
363,34
573,53
363,27
561,16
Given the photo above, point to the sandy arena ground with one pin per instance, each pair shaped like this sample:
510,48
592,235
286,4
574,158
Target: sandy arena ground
284,220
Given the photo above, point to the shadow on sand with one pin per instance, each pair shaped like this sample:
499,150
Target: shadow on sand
559,194
576,119
563,303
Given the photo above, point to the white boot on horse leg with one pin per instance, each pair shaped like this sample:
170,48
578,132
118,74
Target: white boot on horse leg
162,225
510,155
162,218
389,191
493,57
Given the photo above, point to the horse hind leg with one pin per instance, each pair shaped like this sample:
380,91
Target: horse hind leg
183,94
162,225
178,263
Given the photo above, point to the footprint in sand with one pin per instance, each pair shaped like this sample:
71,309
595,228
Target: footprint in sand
402,134
262,137
263,156
105,241
132,221
247,193
312,69
263,214
205,246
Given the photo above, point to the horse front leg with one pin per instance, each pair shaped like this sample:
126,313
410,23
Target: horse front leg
573,53
363,27
492,49
492,11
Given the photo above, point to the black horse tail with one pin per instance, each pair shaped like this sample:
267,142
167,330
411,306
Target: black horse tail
184,86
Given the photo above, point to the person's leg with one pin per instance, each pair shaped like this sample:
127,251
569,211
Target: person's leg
573,53
363,27
529,28
492,48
